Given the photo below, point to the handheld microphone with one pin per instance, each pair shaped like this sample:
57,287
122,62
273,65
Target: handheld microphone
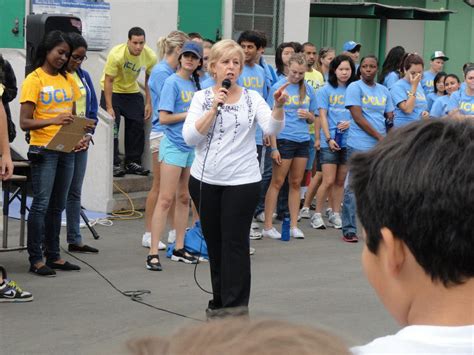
226,83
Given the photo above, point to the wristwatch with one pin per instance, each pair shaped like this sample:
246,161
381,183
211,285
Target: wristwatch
328,139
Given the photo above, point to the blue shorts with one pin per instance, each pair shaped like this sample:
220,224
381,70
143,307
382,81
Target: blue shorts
289,149
312,153
172,155
329,157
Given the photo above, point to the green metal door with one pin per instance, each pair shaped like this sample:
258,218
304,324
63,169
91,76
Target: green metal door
12,15
203,16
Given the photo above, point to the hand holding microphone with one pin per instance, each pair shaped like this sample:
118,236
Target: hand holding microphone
221,96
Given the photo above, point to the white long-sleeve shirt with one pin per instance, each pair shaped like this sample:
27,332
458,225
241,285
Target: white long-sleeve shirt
232,158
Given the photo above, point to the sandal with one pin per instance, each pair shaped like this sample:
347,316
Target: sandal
153,266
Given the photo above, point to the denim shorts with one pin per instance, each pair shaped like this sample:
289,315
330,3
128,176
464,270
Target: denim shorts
329,157
172,155
290,149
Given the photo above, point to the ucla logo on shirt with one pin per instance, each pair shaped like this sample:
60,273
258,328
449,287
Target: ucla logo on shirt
429,83
374,100
466,106
253,82
314,84
336,99
186,96
49,95
132,66
295,100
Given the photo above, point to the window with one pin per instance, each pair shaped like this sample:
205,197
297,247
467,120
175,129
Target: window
261,15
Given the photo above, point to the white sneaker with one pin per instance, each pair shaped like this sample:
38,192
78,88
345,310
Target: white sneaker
328,212
296,233
317,221
255,234
255,225
172,236
336,221
251,251
271,233
305,213
146,242
261,217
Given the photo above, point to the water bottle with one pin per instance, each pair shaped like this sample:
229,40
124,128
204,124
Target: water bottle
285,228
339,135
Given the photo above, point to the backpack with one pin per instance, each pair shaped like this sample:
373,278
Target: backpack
194,242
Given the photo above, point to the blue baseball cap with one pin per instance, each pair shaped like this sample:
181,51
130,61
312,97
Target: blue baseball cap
350,46
192,47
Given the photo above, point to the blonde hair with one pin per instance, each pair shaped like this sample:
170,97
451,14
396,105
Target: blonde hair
225,48
240,336
323,53
167,45
299,59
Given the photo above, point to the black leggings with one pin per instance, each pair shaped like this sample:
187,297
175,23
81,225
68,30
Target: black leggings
226,215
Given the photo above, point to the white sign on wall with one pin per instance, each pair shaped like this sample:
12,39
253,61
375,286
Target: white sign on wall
95,17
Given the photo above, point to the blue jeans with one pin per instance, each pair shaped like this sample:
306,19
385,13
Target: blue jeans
282,205
349,212
51,176
73,204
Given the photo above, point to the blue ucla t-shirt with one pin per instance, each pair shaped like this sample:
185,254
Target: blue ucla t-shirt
176,98
399,93
209,82
390,79
440,107
374,101
427,82
431,98
296,129
332,100
462,101
159,74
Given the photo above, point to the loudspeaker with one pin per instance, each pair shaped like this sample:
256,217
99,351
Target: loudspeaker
39,25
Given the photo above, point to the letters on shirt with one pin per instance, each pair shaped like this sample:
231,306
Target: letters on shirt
295,100
466,106
336,99
48,95
131,66
252,82
374,100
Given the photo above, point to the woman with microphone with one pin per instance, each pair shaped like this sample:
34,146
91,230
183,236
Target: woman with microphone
225,175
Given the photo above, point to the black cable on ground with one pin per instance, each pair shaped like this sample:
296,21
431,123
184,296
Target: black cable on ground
134,295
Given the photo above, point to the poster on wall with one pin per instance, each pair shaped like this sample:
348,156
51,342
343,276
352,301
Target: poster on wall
95,17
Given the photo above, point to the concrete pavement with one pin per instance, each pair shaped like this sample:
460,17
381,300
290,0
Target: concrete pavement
317,281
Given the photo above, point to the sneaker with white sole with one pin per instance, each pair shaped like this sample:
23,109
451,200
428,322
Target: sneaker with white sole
271,233
146,242
255,225
11,292
261,217
251,251
183,256
296,233
317,221
172,236
255,234
328,212
335,220
305,213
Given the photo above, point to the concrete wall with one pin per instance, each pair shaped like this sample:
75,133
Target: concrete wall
295,20
409,34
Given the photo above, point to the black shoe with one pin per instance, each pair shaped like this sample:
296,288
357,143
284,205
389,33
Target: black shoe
156,266
182,255
74,248
118,171
67,266
136,169
350,238
44,270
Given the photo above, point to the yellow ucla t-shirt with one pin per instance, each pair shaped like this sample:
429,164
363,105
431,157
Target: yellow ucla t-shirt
316,80
81,102
52,95
125,68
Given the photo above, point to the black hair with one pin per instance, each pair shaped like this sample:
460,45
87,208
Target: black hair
437,78
298,47
50,41
263,37
452,76
77,41
392,62
278,60
252,36
136,31
468,69
195,35
419,183
410,59
195,73
309,44
332,78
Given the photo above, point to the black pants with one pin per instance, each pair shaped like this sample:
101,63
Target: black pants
132,108
226,214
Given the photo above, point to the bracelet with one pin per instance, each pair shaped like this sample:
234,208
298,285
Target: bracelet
410,93
273,150
328,139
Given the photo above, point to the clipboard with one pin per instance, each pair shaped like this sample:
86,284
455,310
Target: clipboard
69,135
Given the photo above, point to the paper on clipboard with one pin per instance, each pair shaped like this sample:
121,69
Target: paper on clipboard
69,135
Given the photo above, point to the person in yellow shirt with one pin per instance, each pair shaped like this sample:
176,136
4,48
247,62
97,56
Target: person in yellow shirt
47,101
121,97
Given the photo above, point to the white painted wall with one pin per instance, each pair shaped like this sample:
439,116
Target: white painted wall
296,20
408,34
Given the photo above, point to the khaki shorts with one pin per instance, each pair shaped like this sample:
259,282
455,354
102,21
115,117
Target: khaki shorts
155,144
